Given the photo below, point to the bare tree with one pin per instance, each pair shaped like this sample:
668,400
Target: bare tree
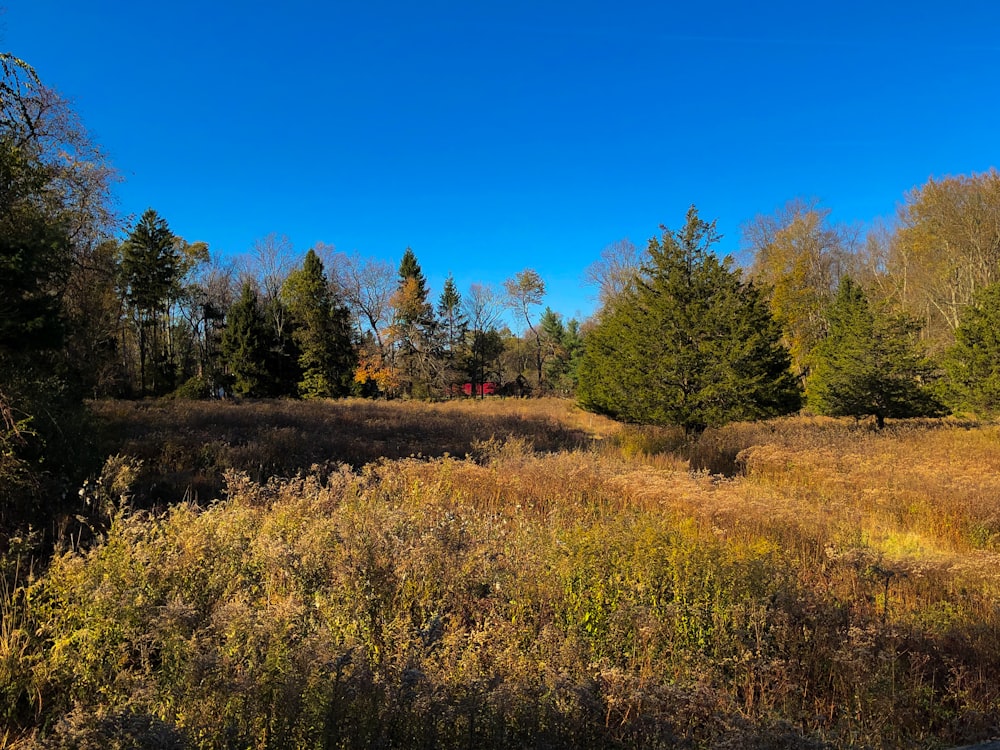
615,271
267,266
367,286
483,308
525,291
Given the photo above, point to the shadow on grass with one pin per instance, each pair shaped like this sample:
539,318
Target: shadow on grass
187,446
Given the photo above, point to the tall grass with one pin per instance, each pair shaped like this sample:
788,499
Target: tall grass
832,587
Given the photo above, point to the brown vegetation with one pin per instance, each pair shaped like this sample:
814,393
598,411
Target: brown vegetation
839,588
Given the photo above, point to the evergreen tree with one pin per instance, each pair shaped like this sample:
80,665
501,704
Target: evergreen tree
412,306
452,332
151,269
973,362
690,345
321,330
453,320
246,343
563,348
869,363
415,329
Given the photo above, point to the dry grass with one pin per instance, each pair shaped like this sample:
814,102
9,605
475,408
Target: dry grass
187,446
555,581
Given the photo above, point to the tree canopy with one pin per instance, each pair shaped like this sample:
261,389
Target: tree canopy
692,345
870,363
973,363
321,329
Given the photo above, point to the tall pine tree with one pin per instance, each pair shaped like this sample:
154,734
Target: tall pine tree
321,330
246,344
690,345
414,329
151,269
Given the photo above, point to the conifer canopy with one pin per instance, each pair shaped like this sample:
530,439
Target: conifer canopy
870,363
690,345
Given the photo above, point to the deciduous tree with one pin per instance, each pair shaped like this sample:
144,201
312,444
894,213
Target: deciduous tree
525,291
616,271
949,241
798,258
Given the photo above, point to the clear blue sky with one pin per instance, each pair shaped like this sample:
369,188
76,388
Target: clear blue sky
491,137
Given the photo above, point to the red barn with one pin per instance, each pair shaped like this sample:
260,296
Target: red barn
482,389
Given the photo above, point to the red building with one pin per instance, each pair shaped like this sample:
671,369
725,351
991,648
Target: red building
482,389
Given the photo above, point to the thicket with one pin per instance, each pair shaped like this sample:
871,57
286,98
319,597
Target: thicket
839,591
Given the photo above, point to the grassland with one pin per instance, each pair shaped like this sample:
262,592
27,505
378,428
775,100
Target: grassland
514,574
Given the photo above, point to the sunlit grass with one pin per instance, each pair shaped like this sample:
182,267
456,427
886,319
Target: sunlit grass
522,573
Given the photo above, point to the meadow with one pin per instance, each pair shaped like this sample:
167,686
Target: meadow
495,574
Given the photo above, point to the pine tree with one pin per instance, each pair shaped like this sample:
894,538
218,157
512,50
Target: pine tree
453,320
691,345
563,348
412,292
973,363
246,344
452,333
321,330
869,363
151,269
415,329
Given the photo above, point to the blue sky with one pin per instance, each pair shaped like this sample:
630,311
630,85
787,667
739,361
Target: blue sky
491,137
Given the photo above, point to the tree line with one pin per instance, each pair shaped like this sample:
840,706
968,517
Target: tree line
899,321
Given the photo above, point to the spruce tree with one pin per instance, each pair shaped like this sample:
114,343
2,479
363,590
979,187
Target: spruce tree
412,292
973,362
869,363
690,345
321,330
246,343
151,269
453,320
451,333
415,329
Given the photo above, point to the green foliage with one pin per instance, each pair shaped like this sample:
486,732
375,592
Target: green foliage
42,420
34,253
246,345
150,274
563,348
321,330
870,363
195,387
150,263
692,345
454,322
413,308
973,363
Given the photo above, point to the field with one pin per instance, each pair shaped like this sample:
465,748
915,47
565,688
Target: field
504,574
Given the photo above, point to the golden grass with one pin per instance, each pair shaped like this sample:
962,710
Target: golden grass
518,573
